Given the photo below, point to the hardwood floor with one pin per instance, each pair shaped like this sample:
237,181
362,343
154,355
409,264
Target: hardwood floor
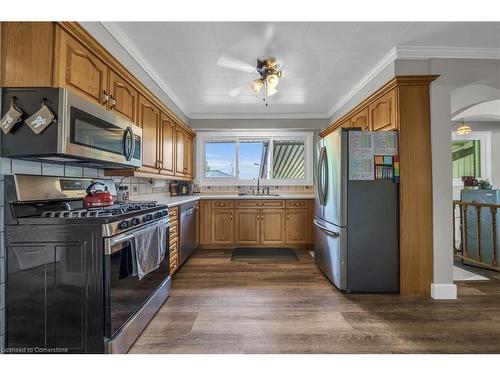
219,306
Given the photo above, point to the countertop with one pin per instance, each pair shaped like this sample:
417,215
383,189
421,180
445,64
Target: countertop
178,200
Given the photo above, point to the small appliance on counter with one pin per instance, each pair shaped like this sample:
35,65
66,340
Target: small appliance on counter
181,188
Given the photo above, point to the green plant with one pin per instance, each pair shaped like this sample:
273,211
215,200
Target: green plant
484,184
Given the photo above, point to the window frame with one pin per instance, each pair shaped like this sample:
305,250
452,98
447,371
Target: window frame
203,137
484,137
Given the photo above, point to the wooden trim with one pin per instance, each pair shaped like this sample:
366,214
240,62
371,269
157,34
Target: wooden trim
396,81
308,246
134,173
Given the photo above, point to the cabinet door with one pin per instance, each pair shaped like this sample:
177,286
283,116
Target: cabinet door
247,227
222,226
360,120
188,155
297,225
272,226
346,124
382,112
167,145
149,120
122,97
81,71
179,151
205,216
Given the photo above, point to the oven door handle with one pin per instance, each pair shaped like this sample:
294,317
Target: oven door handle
109,243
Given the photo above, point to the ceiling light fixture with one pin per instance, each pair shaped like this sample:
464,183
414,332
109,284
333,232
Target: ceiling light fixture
464,128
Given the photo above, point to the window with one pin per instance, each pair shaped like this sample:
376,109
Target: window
220,159
243,157
466,156
471,156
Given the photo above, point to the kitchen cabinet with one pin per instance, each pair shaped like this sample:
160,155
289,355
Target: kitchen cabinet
149,121
180,153
257,222
167,135
222,226
248,226
360,120
81,71
382,112
272,226
122,97
63,54
297,226
173,239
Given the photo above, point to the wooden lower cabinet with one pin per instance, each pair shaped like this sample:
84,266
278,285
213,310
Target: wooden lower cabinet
248,226
297,226
255,222
272,226
222,226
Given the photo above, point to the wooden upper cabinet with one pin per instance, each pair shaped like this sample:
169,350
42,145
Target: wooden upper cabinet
272,226
247,226
360,120
149,121
122,97
27,50
222,226
382,112
297,225
345,124
167,145
180,141
81,71
188,155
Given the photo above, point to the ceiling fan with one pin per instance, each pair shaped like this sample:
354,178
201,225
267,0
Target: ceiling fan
268,68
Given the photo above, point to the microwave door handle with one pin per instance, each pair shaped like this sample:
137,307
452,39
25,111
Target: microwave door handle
132,143
128,150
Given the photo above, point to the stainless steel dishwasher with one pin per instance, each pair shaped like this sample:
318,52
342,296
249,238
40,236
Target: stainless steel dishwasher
189,237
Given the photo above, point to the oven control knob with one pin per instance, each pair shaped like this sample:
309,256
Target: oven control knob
164,213
124,224
135,221
158,215
148,217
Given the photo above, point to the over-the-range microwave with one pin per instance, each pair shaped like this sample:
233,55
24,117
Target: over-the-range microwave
83,132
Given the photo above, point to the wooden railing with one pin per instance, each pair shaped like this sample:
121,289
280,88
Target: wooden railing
476,227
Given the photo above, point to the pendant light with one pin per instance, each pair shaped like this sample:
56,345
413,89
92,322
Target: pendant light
464,128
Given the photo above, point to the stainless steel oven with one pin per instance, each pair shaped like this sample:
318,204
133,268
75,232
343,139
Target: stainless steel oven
129,301
83,132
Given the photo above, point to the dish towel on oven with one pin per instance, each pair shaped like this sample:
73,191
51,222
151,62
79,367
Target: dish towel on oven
149,248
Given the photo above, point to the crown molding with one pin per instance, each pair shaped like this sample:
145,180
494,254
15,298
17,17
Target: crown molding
256,116
139,58
383,63
416,53
433,52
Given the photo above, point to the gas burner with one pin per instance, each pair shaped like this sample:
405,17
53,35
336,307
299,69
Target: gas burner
115,210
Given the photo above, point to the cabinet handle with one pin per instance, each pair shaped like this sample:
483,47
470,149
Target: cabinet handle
113,102
105,97
231,216
260,204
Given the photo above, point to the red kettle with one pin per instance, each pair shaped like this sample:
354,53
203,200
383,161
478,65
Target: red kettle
97,197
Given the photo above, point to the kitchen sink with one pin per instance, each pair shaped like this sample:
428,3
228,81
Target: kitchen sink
259,195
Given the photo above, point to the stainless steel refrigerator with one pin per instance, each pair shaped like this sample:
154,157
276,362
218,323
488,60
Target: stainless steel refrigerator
356,222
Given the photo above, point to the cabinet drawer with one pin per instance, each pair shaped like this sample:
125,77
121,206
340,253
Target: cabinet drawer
174,263
173,229
273,203
173,213
297,203
222,204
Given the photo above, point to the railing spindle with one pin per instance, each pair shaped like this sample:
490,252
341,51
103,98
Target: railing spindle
478,232
464,230
494,260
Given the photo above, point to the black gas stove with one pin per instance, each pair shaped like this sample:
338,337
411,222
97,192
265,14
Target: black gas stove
72,279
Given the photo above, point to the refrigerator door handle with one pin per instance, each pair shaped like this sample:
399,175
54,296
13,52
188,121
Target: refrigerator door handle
325,171
321,191
326,230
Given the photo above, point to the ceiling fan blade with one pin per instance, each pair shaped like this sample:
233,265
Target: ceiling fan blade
237,90
230,62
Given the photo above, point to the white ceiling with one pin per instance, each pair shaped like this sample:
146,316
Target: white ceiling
322,62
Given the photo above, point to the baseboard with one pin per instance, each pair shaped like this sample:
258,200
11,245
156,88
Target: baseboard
443,291
232,247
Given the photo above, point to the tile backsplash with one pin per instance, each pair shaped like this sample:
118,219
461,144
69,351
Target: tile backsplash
235,189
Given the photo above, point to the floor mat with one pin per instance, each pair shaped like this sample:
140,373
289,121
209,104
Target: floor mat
256,254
